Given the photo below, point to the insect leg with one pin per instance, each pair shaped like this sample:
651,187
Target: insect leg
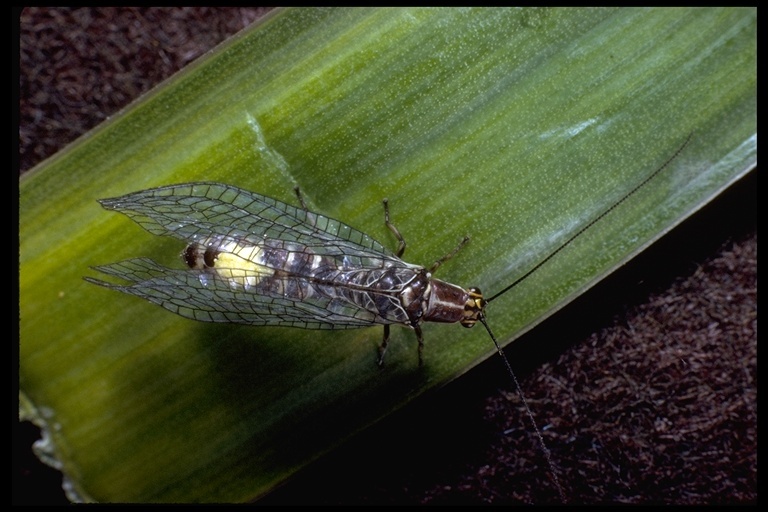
301,198
401,241
393,229
385,342
383,346
311,217
419,337
449,255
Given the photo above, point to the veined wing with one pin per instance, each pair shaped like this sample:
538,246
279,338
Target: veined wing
258,261
188,294
196,212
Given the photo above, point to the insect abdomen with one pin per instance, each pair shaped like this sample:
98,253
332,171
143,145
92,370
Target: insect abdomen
377,294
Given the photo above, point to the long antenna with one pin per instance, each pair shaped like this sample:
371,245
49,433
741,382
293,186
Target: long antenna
593,221
547,453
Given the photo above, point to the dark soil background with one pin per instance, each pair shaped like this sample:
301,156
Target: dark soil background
645,388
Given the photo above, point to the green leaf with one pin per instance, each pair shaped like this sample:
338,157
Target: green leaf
515,126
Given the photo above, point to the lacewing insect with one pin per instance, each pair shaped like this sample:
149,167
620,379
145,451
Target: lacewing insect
258,261
255,260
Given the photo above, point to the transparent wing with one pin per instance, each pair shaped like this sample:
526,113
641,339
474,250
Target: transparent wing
197,211
203,297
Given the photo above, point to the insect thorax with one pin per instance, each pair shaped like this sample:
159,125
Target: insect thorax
450,303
